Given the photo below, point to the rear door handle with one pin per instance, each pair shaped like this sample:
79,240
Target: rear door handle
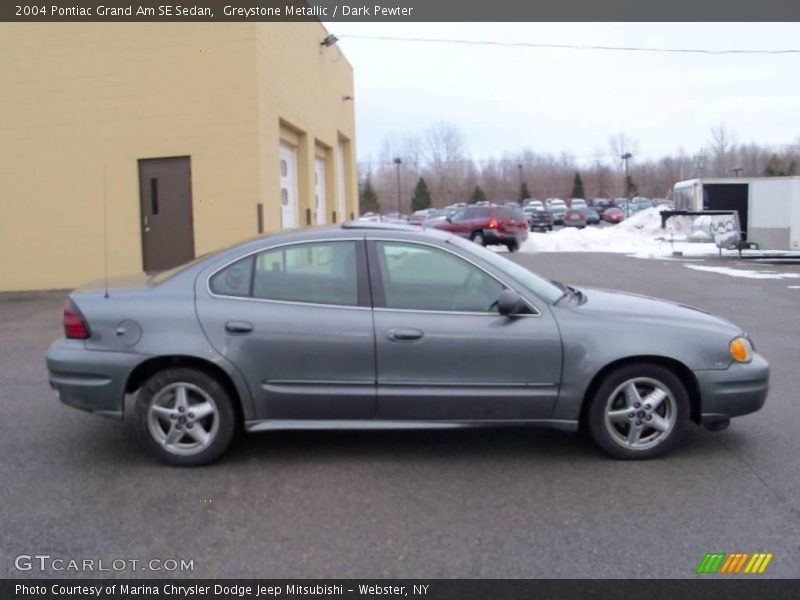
403,334
238,327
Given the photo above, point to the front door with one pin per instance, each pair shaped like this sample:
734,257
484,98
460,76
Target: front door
289,185
444,353
296,321
165,194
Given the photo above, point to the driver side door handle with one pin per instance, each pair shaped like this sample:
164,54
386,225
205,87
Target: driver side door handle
238,327
404,334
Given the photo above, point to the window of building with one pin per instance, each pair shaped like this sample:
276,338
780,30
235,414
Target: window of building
417,277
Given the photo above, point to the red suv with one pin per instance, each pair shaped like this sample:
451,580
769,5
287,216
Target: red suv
489,224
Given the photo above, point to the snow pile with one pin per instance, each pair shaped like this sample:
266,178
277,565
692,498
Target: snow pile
641,235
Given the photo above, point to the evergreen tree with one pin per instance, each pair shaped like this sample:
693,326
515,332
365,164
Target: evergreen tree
524,193
478,195
368,201
577,187
422,196
775,167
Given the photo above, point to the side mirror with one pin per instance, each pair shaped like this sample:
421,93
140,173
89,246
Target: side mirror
510,303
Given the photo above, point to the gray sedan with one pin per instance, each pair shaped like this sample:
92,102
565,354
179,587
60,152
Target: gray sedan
373,325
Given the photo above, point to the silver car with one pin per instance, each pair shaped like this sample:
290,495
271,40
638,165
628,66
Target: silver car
374,325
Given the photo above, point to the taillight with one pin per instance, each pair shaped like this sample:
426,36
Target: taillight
74,325
580,216
492,224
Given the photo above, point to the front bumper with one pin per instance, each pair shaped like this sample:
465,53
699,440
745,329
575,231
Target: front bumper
740,389
90,380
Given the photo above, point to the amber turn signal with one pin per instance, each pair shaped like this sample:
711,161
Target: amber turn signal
740,350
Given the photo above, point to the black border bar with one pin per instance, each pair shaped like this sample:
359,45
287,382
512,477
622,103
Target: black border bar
404,10
701,587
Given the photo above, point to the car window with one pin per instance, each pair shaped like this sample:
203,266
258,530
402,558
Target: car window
318,273
418,277
503,212
235,279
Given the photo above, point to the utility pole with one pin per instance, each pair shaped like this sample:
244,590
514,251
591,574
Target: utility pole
626,157
398,162
519,171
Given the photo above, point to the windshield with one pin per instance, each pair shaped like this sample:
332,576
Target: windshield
537,284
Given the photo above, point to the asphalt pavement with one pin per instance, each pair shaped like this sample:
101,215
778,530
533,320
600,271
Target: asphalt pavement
422,504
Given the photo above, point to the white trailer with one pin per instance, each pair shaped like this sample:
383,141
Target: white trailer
768,207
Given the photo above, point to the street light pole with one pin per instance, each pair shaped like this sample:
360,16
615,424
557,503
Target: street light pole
519,170
398,162
627,157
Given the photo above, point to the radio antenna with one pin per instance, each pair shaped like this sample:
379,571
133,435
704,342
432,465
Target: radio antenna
105,228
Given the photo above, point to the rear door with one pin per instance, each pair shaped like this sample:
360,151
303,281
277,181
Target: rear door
443,352
296,321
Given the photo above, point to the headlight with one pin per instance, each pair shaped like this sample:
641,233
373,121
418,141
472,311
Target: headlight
740,350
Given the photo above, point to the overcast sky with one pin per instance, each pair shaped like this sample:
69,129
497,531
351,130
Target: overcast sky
553,101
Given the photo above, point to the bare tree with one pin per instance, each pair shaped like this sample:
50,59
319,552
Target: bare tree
445,154
720,146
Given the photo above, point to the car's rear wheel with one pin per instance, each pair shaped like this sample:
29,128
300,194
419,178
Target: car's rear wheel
477,237
512,246
185,417
639,411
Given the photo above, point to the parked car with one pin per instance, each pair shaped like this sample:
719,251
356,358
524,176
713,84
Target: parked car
575,217
601,204
538,218
534,202
613,215
378,325
489,225
557,210
578,203
592,216
418,217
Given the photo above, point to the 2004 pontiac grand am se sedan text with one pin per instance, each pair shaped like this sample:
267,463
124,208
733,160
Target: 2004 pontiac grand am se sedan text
373,325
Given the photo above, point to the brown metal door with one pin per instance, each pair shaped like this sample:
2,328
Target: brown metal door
165,190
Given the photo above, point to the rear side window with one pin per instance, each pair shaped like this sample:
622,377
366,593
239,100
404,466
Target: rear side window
316,273
235,279
503,212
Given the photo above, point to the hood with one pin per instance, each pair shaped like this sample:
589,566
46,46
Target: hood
626,306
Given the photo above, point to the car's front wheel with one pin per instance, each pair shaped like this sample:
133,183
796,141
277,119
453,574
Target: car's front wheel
185,417
639,411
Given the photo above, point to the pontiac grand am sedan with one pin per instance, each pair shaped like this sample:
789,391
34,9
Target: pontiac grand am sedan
374,325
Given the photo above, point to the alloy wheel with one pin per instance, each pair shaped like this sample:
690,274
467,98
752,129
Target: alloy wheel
640,413
183,419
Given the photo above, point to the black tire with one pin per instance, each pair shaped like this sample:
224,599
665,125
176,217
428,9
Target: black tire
512,246
478,238
199,387
549,228
676,402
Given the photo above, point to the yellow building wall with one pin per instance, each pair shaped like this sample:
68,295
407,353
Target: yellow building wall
82,99
307,100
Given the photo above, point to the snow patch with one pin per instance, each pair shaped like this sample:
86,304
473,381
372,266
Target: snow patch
745,273
640,235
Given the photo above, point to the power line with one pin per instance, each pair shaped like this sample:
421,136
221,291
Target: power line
566,46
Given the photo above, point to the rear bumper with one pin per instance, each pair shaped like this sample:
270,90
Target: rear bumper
492,236
740,389
90,380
